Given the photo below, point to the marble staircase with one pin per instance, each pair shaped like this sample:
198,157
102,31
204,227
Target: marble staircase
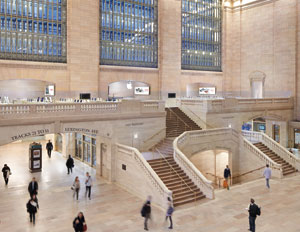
286,167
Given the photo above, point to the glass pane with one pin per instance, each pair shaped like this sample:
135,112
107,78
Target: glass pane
32,18
201,35
130,47
94,156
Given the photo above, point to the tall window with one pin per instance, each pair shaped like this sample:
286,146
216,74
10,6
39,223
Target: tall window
128,33
201,35
33,30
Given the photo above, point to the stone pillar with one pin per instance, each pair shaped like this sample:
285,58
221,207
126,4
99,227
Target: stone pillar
83,47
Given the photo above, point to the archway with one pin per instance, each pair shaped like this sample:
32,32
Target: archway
211,163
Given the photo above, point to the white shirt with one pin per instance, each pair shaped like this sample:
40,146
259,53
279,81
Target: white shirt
88,181
267,173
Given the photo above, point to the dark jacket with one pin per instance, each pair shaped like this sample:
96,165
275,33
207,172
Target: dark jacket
5,171
146,210
31,208
227,173
34,189
253,210
49,146
78,227
70,163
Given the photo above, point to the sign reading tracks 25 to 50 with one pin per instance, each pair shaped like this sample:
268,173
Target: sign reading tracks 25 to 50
29,134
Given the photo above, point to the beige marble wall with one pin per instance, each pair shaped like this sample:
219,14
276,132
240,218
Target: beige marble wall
264,39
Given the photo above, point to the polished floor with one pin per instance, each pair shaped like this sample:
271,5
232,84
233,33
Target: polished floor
113,209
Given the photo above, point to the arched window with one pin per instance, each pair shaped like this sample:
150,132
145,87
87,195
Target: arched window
128,33
201,28
33,30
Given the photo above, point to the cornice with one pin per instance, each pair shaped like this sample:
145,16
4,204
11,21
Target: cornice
249,5
31,65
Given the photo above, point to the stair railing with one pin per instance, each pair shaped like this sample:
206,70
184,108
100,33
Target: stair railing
178,118
198,118
182,180
163,130
220,178
281,151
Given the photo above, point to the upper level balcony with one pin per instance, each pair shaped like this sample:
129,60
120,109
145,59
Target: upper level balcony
233,105
87,111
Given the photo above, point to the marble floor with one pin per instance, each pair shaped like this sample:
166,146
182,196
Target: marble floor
113,209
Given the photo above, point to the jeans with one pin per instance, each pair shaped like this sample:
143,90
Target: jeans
76,191
32,217
88,189
267,183
171,222
147,217
49,152
69,169
252,223
6,180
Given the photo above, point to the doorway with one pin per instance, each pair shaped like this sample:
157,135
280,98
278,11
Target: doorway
276,133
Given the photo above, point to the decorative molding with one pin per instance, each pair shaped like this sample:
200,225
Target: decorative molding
32,65
246,6
113,68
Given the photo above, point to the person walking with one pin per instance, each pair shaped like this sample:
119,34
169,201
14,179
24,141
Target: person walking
170,211
33,187
146,213
76,187
227,175
6,172
70,164
267,174
49,147
79,224
88,185
253,210
32,207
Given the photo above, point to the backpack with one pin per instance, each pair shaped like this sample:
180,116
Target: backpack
143,211
258,212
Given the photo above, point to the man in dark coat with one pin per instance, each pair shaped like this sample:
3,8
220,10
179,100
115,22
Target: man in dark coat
253,210
6,173
146,213
33,187
70,164
227,175
49,148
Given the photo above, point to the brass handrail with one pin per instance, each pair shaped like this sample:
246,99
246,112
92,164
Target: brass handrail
146,140
194,192
207,125
177,117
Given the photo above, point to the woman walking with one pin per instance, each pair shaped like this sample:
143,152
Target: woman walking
32,206
79,224
76,187
170,211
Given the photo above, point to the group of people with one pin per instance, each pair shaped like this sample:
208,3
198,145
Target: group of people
146,212
88,186
253,209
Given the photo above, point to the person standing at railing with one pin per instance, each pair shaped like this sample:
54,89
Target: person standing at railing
227,175
267,174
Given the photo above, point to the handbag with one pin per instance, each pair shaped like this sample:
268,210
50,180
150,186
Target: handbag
225,184
84,227
72,188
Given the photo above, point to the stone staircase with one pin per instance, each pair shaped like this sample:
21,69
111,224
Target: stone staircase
178,122
286,167
165,147
183,189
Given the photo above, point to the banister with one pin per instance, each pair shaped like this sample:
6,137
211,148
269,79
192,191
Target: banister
152,136
207,125
147,166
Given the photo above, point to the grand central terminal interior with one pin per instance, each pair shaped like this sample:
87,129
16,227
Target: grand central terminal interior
159,115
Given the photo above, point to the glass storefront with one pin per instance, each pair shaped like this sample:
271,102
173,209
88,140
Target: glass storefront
85,148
